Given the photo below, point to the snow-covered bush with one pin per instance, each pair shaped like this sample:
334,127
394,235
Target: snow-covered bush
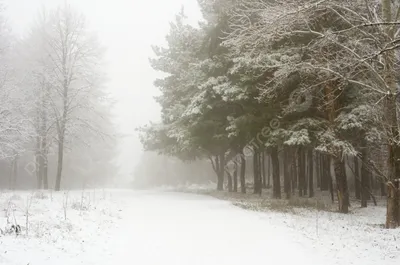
40,195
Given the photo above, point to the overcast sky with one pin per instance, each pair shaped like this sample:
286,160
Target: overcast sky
127,28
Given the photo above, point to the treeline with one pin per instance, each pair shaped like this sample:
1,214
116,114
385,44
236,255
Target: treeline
54,113
310,84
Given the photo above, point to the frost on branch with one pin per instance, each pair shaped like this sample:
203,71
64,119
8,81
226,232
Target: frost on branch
330,144
297,138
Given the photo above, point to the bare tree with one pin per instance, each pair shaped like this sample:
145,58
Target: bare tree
74,63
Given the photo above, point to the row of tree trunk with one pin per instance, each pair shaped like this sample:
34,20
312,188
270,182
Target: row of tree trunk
303,169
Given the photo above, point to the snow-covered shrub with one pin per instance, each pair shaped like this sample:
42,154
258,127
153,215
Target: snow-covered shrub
40,195
81,206
11,230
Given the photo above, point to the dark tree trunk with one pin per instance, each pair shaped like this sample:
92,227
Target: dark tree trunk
342,187
242,173
299,173
264,175
230,182
221,172
317,161
294,170
310,173
305,180
364,178
260,177
393,213
235,177
325,172
286,173
268,171
256,172
393,192
302,173
276,183
357,182
255,184
216,169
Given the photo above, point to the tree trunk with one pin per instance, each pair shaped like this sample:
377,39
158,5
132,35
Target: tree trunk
294,171
302,173
242,173
39,179
62,125
235,177
317,160
364,178
260,177
256,172
264,175
268,171
357,182
41,170
393,204
286,173
393,193
43,141
305,187
325,172
59,163
216,165
45,174
38,172
230,182
310,173
221,172
341,183
329,177
276,182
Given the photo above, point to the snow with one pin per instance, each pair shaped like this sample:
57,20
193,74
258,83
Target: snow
158,227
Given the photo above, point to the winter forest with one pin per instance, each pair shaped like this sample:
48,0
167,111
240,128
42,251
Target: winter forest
294,96
199,132
54,112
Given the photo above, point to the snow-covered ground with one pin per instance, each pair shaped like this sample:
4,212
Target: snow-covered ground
155,227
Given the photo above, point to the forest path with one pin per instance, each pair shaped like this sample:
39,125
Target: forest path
154,228
172,228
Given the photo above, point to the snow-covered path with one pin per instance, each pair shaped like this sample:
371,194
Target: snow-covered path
188,229
161,228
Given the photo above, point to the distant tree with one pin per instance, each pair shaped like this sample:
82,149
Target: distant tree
71,60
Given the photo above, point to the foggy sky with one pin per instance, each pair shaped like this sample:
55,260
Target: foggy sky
127,28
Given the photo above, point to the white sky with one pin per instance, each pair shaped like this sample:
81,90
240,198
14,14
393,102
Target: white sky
127,28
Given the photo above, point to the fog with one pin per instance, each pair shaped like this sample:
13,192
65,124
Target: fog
126,29
199,131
